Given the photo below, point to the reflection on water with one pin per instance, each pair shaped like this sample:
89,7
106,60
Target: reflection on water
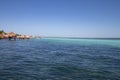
60,59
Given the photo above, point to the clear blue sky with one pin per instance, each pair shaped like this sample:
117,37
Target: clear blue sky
62,18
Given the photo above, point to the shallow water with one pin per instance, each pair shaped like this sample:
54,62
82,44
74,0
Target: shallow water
60,59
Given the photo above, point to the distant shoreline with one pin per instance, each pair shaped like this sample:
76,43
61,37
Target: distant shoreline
85,38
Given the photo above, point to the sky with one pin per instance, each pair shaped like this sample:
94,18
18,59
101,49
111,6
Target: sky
61,18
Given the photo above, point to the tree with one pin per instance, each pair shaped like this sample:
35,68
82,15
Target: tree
1,31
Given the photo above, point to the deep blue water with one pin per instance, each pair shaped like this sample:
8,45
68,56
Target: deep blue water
60,59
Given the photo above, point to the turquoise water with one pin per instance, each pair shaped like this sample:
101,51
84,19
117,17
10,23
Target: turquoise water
60,59
111,42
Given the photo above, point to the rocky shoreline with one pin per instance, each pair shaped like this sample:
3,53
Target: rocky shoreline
12,36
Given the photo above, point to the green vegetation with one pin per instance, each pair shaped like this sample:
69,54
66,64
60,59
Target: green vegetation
2,31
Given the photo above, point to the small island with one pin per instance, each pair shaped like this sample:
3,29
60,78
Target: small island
13,36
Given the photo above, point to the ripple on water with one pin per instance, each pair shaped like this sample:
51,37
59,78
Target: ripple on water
59,59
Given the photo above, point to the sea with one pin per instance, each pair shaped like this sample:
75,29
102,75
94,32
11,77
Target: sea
60,59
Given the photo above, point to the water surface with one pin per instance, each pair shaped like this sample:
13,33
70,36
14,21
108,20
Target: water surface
60,59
